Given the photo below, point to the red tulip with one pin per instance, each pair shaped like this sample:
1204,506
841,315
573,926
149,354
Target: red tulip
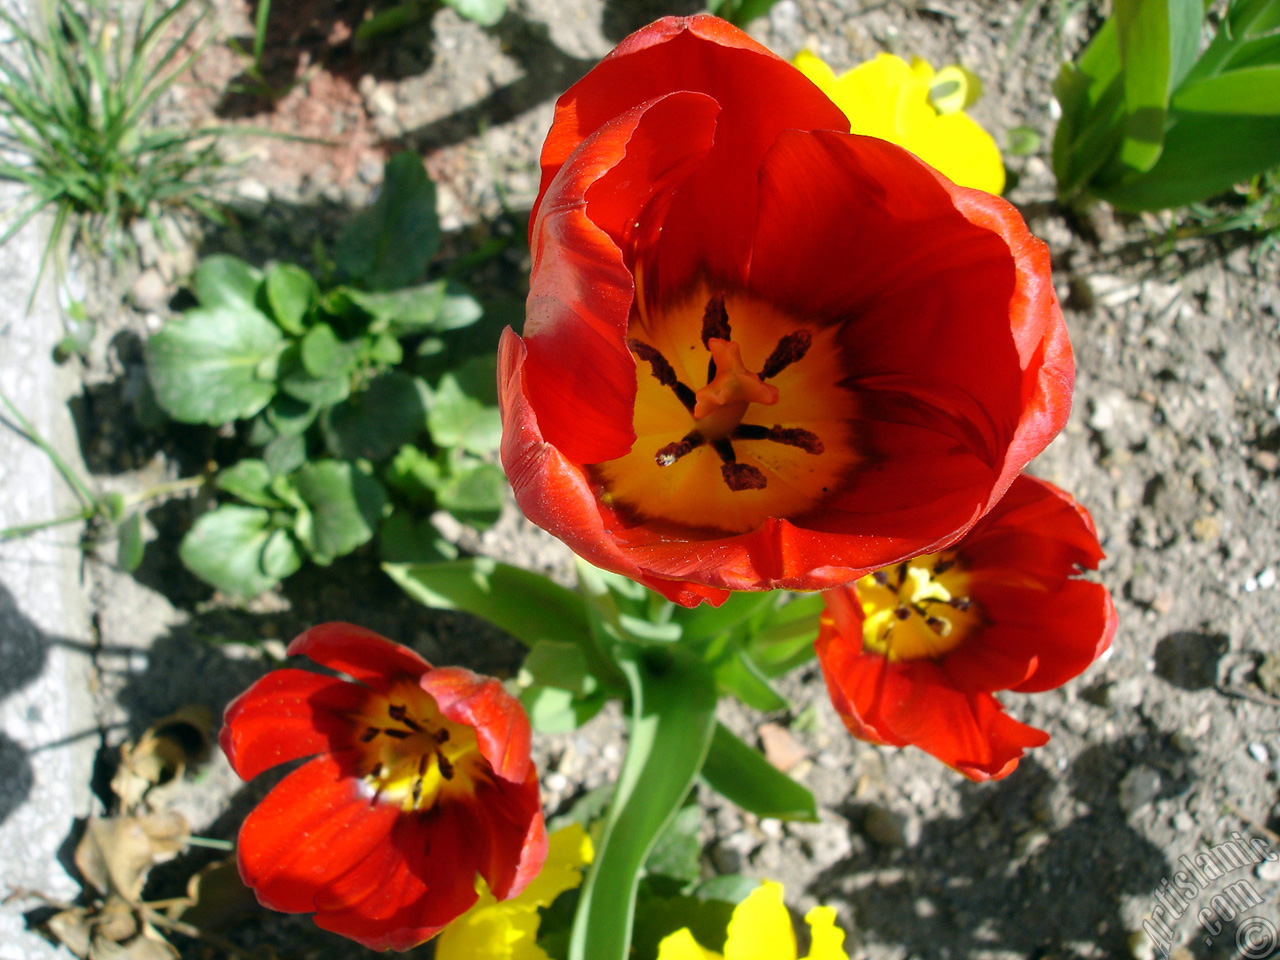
760,351
420,779
913,652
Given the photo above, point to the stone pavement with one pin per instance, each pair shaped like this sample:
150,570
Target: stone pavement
48,729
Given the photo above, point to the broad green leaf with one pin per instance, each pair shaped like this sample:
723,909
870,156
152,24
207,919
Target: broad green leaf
560,664
458,420
672,719
474,492
250,480
226,281
290,292
298,383
410,308
374,423
742,775
345,504
1253,91
1145,56
403,538
484,12
704,621
414,474
225,548
677,854
785,639
552,710
736,674
285,453
214,364
130,545
526,605
325,355
389,245
288,416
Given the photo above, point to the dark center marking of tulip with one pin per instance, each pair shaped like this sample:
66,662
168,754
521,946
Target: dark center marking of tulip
926,607
715,326
409,726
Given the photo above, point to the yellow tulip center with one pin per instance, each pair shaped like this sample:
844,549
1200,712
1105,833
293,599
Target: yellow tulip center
917,609
413,753
740,415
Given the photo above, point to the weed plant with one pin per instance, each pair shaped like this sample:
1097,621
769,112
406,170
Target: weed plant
77,98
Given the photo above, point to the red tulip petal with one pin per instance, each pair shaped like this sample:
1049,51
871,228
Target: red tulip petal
421,880
286,715
506,829
1077,627
500,723
581,290
703,55
554,493
359,653
312,828
912,702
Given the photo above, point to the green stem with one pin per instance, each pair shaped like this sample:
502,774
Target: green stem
85,495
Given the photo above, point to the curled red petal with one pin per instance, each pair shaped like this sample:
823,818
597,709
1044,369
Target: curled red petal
505,825
359,653
312,828
286,715
581,290
554,493
500,723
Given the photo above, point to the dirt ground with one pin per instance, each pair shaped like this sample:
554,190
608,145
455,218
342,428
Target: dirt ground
1160,752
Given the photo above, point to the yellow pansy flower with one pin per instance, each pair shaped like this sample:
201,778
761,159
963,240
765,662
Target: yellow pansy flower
508,930
911,105
760,929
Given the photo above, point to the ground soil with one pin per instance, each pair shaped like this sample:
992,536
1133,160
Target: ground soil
1159,752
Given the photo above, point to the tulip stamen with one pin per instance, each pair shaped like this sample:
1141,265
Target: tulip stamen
663,372
715,323
672,452
913,609
790,349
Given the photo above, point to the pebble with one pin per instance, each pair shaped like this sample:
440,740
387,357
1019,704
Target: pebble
150,292
1259,752
1139,787
886,827
1268,870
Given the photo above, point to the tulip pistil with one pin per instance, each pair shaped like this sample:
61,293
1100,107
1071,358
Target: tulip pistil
742,412
417,754
917,609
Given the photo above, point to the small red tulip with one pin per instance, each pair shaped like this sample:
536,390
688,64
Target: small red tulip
420,779
913,653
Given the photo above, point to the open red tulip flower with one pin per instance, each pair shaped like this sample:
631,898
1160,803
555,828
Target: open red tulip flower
420,779
760,351
912,653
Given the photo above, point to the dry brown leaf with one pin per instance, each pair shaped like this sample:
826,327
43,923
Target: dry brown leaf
72,929
161,754
116,853
147,945
115,921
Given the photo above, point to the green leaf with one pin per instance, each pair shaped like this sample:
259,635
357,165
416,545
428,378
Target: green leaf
214,364
1251,91
297,382
560,664
742,775
672,719
484,12
389,245
285,453
677,854
474,492
250,480
290,292
130,546
345,504
1145,56
374,423
225,548
736,674
705,622
552,710
288,416
784,640
226,281
458,420
526,605
406,539
325,356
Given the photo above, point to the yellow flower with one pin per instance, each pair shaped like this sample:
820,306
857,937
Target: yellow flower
508,930
760,929
916,108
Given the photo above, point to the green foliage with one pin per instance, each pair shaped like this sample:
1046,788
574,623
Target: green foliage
1150,122
76,96
397,17
327,382
740,12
